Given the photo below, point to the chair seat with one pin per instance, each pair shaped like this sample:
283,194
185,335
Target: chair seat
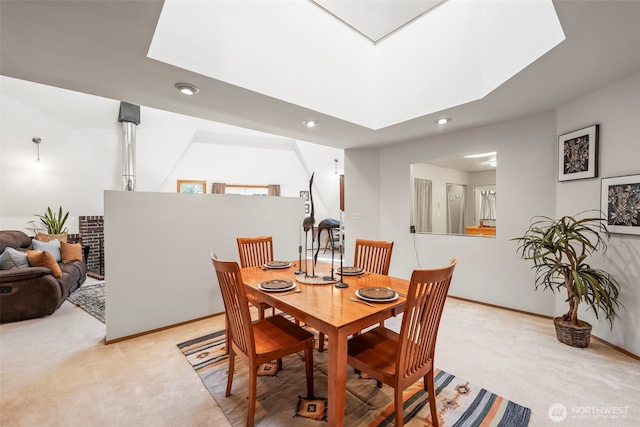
275,333
374,350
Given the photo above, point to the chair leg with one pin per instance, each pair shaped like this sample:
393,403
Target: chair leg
227,335
320,342
232,364
399,404
308,361
431,391
251,409
279,365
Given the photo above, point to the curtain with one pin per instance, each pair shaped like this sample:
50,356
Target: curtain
218,188
273,190
455,208
488,205
422,205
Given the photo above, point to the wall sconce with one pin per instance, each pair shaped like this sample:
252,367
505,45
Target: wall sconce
38,163
336,166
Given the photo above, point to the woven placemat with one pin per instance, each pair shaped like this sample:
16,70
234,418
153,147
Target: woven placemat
308,280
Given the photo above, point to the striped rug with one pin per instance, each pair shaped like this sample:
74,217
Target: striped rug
281,398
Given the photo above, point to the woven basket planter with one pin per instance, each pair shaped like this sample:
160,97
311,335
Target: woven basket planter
575,336
49,237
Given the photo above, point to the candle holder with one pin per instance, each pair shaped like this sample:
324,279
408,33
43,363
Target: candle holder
341,283
299,270
333,249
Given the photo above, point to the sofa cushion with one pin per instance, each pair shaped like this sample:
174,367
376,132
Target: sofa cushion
12,258
53,247
70,252
39,258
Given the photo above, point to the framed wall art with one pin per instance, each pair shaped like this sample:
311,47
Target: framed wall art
578,154
620,202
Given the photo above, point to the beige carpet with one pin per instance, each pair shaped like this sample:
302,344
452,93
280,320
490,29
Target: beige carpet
56,371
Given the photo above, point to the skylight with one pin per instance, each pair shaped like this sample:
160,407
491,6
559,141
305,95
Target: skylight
293,50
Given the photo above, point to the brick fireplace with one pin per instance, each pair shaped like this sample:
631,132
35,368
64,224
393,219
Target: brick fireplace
92,232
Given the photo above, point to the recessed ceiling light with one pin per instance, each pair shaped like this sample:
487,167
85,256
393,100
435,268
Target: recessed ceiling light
473,156
310,123
187,89
442,121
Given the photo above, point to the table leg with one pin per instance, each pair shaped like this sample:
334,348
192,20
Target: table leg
337,375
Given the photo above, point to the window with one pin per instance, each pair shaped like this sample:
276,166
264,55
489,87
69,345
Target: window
191,186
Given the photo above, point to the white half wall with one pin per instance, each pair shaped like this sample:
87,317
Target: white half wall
158,246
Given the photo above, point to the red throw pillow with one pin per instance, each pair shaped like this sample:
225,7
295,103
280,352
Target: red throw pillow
44,259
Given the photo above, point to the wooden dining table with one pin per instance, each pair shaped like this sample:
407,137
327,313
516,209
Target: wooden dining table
329,309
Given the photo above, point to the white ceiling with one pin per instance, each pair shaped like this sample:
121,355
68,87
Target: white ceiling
100,47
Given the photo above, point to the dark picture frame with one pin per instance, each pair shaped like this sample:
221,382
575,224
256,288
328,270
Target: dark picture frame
305,195
578,154
620,203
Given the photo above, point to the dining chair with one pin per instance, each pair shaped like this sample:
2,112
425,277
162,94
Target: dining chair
256,252
373,256
400,360
260,342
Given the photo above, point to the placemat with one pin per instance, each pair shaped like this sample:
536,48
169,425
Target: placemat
308,280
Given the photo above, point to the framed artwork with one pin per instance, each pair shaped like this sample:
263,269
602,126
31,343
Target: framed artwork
192,186
305,195
620,201
306,208
578,154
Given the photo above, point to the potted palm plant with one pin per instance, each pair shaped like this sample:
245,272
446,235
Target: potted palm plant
560,251
54,225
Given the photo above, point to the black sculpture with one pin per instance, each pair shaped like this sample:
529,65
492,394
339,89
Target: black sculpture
326,224
307,224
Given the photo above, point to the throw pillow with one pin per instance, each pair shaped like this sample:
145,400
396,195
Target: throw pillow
53,247
70,252
39,258
13,258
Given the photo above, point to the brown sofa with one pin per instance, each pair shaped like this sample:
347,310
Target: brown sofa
30,292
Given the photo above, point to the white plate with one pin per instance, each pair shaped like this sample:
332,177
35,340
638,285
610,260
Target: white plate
288,288
378,299
278,264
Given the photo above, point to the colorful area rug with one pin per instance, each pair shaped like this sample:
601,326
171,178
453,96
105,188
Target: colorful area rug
281,401
90,298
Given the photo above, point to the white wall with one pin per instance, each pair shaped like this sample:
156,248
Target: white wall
81,150
616,108
489,270
158,246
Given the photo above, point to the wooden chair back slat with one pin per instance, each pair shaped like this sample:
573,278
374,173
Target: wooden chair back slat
236,305
373,255
255,251
426,296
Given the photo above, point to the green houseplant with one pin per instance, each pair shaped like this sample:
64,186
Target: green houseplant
560,249
53,223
